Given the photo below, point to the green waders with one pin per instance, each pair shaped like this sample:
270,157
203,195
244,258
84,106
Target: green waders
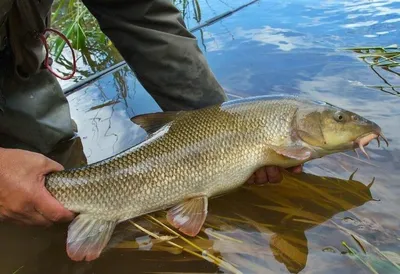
150,35
35,112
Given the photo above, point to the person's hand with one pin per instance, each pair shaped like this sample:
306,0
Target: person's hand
23,196
270,174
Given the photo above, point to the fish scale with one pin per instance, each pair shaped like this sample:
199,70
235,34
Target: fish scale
164,157
193,156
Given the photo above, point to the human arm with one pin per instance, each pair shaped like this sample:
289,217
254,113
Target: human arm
23,196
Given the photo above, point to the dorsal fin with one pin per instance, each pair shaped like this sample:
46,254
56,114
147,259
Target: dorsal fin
154,121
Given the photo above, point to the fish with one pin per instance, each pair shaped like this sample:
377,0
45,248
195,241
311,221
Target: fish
191,156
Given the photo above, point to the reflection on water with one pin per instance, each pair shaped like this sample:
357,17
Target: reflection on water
382,61
257,228
317,222
94,51
102,110
281,215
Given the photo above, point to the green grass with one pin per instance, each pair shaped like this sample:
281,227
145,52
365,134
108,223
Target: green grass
385,57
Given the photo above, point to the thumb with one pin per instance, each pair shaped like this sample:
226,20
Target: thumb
52,166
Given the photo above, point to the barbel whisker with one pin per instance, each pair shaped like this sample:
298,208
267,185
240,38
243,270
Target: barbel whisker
384,138
363,150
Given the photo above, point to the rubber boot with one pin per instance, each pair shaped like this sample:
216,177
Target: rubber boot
36,113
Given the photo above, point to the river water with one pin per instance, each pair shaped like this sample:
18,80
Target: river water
317,222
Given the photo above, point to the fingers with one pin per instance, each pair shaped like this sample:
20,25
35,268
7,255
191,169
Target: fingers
31,218
2,214
251,180
27,217
274,174
24,198
296,169
261,176
43,210
270,174
46,204
35,218
51,209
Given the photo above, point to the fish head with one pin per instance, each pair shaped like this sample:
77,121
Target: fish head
329,129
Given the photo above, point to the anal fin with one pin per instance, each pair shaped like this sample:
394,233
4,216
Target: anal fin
189,216
87,237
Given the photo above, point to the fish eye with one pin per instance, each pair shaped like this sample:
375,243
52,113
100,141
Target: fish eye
339,116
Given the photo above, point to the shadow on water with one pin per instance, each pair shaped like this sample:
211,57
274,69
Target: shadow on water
248,228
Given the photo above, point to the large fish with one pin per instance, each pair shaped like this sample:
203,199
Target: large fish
191,156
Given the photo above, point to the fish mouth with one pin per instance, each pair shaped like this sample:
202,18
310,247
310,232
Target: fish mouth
364,140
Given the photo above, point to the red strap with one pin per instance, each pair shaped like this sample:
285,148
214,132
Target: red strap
46,60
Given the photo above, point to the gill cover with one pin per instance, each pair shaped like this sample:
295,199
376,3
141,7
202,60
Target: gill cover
307,126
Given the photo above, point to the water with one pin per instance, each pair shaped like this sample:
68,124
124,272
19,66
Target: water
298,226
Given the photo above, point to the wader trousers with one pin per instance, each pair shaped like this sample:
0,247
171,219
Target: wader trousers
152,38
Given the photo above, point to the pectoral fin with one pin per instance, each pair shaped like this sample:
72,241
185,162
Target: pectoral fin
87,237
189,216
298,153
154,121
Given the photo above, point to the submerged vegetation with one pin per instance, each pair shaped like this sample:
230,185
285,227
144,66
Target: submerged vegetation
240,228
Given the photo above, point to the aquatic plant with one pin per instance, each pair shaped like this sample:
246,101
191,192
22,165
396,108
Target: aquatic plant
94,49
81,28
241,226
384,58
